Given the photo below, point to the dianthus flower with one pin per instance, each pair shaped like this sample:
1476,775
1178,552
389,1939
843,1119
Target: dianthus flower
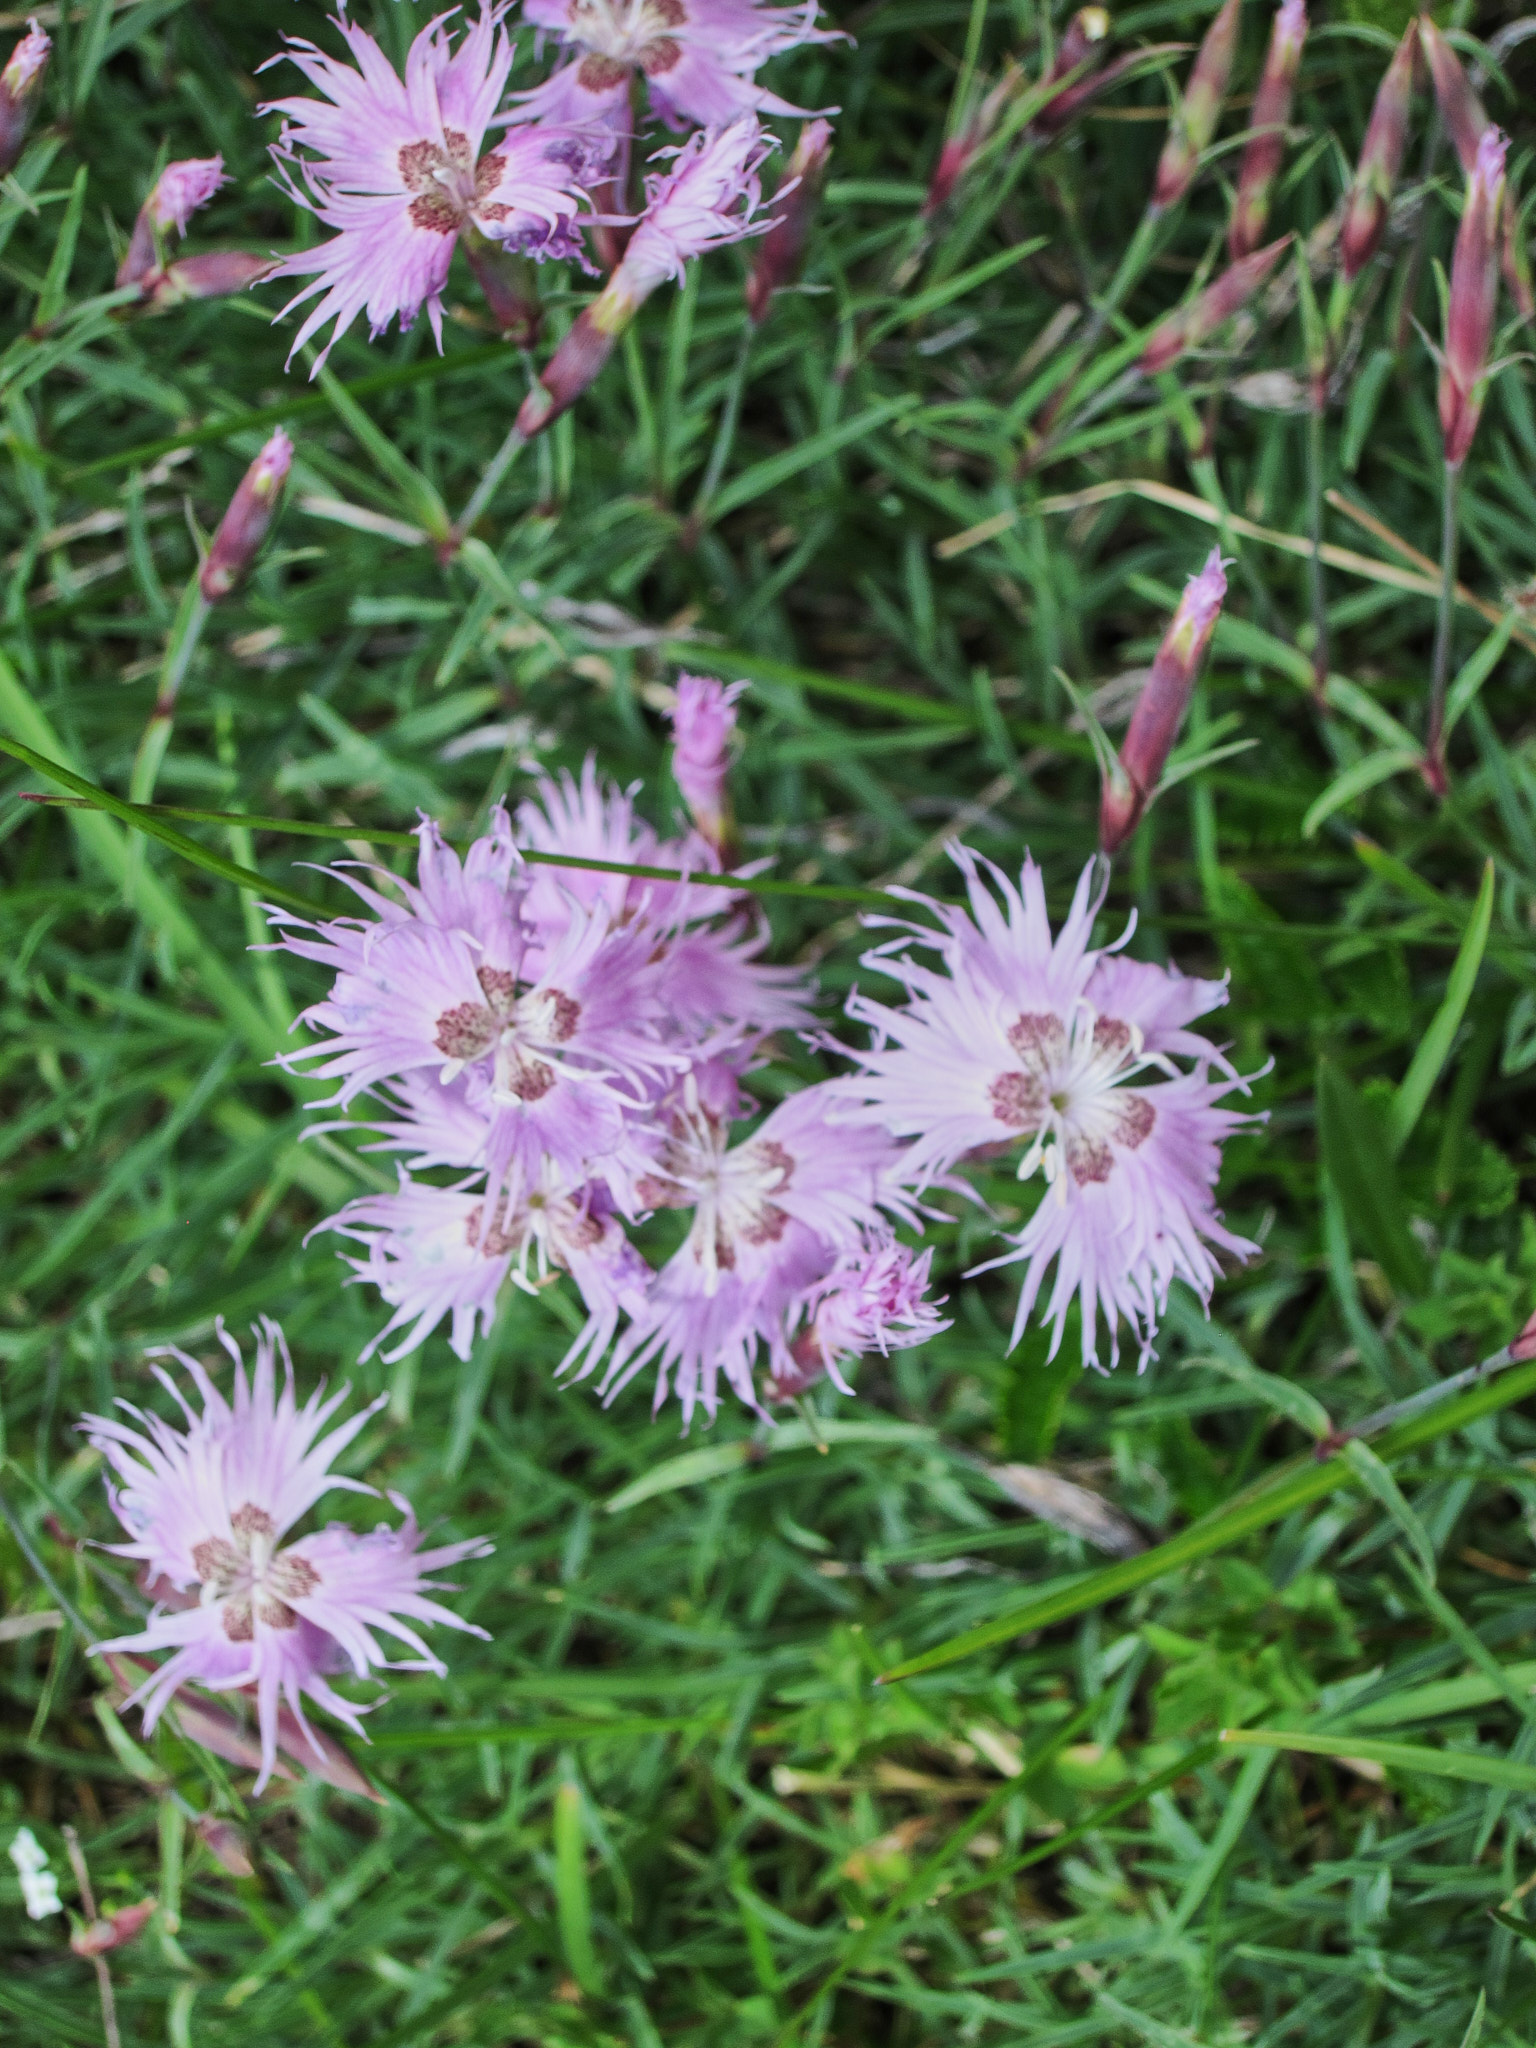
552,1056
177,194
435,1252
207,1508
1068,1051
874,1299
697,57
772,1217
395,166
703,719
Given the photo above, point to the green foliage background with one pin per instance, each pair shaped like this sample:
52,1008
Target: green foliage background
665,1801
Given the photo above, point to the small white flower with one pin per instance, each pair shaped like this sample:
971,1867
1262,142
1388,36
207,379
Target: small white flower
39,1886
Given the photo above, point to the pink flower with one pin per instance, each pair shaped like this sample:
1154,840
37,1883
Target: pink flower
874,1299
697,57
710,197
395,166
773,1216
206,1509
703,719
182,188
435,1252
554,1056
1019,1039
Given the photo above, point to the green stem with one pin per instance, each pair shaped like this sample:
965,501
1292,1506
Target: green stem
1320,660
1434,759
485,490
725,433
186,632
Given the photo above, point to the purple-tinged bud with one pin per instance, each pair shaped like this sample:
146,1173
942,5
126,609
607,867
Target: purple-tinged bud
1266,129
509,282
1195,117
1473,299
225,1843
20,83
782,250
1196,321
178,192
244,526
1381,160
955,156
1080,47
214,275
113,1930
1161,706
703,719
576,363
1065,107
1460,108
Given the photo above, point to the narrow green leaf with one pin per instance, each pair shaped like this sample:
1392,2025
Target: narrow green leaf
1355,781
1435,1046
1284,1396
730,662
773,470
940,295
714,1460
1378,1481
50,300
1358,1155
450,1735
573,1899
1475,671
423,502
1469,1766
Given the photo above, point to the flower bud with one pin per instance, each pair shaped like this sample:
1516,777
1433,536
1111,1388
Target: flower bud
1199,319
1161,706
703,719
1079,48
112,1930
212,276
1460,108
1266,129
178,192
956,154
508,281
1381,161
20,83
225,1843
244,526
1195,118
782,249
1473,299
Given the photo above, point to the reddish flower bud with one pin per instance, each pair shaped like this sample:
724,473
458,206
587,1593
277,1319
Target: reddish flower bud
1161,706
509,282
178,192
955,156
212,276
1460,108
1473,298
1381,160
1209,310
1195,118
781,251
1064,108
244,526
575,364
112,1930
1266,129
225,1843
20,83
1080,47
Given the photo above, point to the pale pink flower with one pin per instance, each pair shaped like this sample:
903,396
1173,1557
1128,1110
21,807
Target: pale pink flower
182,188
874,1299
698,58
554,1057
21,83
1016,1038
207,1508
703,720
435,1252
772,1216
395,166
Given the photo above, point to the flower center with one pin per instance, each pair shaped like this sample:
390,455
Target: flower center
250,1581
620,34
508,1025
1067,1093
447,182
730,1192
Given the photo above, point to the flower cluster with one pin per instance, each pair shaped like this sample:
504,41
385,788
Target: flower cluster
405,168
207,1510
569,1045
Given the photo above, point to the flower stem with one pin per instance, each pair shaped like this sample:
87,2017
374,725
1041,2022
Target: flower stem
1434,754
485,490
1320,660
186,632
